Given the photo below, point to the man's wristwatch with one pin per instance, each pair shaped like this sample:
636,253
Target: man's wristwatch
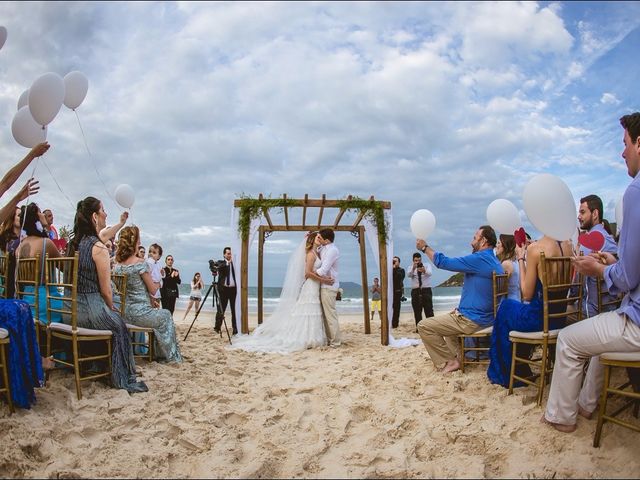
424,249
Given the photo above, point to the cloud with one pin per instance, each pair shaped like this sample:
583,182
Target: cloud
609,99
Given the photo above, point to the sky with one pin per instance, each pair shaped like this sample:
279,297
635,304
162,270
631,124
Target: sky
436,105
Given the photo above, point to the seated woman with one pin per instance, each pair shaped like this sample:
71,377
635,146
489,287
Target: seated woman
37,242
9,241
138,309
525,316
95,296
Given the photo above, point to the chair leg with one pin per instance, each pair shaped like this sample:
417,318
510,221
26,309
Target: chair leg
5,376
76,368
543,372
603,406
109,357
513,366
462,354
151,346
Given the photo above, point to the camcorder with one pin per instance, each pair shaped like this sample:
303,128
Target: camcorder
420,265
216,265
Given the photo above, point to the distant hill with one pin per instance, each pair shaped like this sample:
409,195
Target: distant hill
454,280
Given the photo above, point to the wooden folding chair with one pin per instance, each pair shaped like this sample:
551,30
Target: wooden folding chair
62,273
28,281
6,386
4,275
119,284
607,302
610,360
557,280
500,291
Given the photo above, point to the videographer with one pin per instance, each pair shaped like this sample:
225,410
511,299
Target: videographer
227,289
421,295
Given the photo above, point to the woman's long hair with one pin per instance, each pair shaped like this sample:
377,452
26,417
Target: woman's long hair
508,248
197,274
30,221
127,243
7,232
83,225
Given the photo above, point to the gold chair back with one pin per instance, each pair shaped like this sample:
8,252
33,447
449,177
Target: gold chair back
607,302
500,289
4,275
28,279
119,287
558,278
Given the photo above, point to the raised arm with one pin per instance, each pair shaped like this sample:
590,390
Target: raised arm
110,232
12,175
30,188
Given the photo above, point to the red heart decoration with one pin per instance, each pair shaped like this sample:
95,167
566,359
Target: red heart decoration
61,243
594,241
520,237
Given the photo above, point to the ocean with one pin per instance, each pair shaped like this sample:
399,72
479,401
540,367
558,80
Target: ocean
444,298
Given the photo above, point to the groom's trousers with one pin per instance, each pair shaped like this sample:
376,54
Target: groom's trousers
328,300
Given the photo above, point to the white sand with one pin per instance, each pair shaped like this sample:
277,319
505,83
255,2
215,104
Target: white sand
362,410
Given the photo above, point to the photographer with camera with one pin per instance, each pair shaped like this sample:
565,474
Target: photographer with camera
421,295
227,288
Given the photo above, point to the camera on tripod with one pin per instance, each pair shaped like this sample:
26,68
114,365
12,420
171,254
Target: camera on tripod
216,265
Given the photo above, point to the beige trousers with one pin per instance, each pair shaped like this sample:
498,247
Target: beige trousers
328,299
440,335
607,332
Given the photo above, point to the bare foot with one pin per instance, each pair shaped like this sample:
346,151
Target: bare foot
48,363
559,426
582,412
451,366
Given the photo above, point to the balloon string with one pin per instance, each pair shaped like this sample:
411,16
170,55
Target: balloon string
58,185
91,157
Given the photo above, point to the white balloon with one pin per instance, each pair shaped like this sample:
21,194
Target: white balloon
76,87
24,99
26,130
618,214
45,97
503,216
125,195
3,36
422,223
549,204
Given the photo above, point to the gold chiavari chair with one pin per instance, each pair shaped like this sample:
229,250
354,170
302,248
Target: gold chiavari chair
500,291
609,361
557,280
6,386
119,283
28,281
62,274
4,275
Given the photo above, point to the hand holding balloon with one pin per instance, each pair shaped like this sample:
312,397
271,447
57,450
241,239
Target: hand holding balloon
39,150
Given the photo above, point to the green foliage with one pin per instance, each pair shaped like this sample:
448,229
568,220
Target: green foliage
66,232
252,208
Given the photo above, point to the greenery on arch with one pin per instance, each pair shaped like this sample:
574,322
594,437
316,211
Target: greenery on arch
252,208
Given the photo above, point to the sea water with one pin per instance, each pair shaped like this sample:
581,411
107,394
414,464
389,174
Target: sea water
444,299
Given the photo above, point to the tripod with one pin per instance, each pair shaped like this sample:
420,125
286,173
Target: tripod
216,303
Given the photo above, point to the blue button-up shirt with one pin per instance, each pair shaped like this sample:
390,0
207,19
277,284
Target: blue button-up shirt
476,301
590,301
624,275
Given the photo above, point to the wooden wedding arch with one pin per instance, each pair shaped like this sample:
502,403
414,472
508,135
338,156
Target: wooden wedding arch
251,208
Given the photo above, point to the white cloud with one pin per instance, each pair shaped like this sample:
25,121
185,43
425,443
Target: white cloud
609,99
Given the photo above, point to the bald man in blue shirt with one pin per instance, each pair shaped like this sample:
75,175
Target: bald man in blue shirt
475,311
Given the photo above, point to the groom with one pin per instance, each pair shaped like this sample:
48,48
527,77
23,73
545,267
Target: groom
328,292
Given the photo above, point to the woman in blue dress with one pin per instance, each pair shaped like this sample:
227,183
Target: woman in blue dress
37,242
525,316
95,296
138,309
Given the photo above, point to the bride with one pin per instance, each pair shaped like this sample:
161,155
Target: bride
297,323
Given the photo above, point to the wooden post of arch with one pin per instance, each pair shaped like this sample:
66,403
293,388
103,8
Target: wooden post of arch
244,291
260,273
384,281
365,283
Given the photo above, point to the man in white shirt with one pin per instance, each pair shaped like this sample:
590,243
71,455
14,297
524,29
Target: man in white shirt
328,292
421,295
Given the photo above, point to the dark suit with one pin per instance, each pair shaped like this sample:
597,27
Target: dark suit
398,278
169,291
227,294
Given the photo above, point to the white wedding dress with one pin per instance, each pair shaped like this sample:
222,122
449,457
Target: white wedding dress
297,323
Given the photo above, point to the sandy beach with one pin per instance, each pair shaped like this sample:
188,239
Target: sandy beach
362,410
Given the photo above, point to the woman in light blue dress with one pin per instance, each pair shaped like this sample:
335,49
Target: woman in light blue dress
138,309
